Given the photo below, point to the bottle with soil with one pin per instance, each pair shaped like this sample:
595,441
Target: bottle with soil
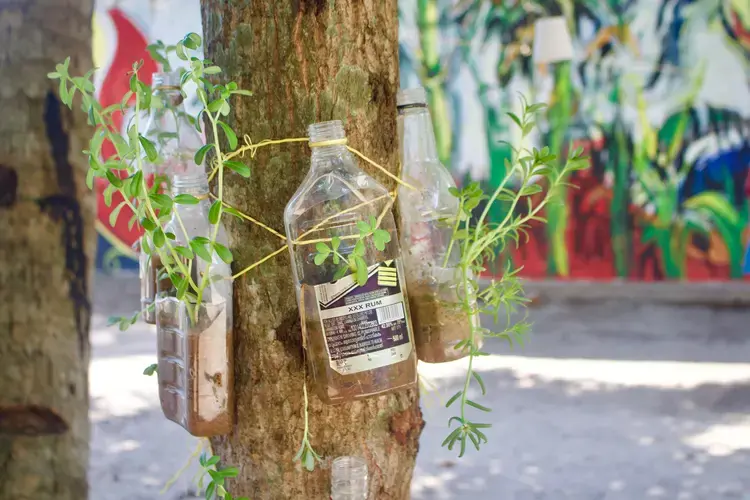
195,348
349,479
426,219
358,338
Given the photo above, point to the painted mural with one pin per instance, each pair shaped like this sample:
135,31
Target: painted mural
658,92
121,33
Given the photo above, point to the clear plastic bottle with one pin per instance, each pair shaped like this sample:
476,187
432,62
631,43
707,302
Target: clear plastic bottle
426,219
358,338
147,275
195,345
349,479
164,127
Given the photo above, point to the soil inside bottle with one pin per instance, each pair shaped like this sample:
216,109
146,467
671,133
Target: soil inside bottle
438,324
200,400
333,387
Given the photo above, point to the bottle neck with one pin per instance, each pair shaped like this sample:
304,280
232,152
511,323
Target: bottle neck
417,136
329,158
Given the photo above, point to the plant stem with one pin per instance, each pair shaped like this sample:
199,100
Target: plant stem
456,225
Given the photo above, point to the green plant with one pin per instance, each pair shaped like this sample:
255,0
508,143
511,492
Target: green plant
355,262
217,476
478,241
481,241
125,170
152,208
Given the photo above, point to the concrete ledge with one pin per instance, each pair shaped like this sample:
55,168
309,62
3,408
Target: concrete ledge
726,294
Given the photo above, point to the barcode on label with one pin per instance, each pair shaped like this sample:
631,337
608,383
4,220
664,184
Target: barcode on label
390,313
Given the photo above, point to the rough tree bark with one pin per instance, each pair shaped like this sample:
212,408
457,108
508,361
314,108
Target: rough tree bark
306,61
46,240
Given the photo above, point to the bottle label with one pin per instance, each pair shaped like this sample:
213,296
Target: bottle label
365,327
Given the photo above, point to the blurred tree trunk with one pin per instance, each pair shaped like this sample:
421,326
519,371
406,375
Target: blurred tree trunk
47,240
306,61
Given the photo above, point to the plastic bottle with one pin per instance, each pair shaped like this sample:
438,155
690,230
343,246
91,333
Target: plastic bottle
426,219
166,127
358,338
349,479
195,345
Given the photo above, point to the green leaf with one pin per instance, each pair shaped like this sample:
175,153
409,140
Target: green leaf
159,238
186,199
113,320
90,174
53,75
200,250
151,369
359,248
210,489
212,461
134,188
363,227
182,288
223,252
201,153
194,39
477,405
211,70
380,237
231,136
115,213
320,258
238,167
536,107
184,251
214,212
361,270
335,243
322,248
215,105
113,179
531,189
308,461
229,472
149,148
515,118
480,382
452,436
453,398
224,109
161,201
148,224
242,92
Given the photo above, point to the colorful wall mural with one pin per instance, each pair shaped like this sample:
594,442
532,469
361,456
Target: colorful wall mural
121,32
658,93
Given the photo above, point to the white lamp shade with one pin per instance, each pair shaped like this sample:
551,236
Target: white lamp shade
552,42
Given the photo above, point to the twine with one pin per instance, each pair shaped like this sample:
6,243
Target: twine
252,148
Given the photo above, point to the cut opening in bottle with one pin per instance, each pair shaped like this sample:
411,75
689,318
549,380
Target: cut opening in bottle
415,97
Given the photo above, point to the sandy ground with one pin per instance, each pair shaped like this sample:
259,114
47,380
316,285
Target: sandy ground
607,401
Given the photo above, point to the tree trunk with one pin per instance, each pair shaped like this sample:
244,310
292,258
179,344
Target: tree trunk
46,240
306,61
